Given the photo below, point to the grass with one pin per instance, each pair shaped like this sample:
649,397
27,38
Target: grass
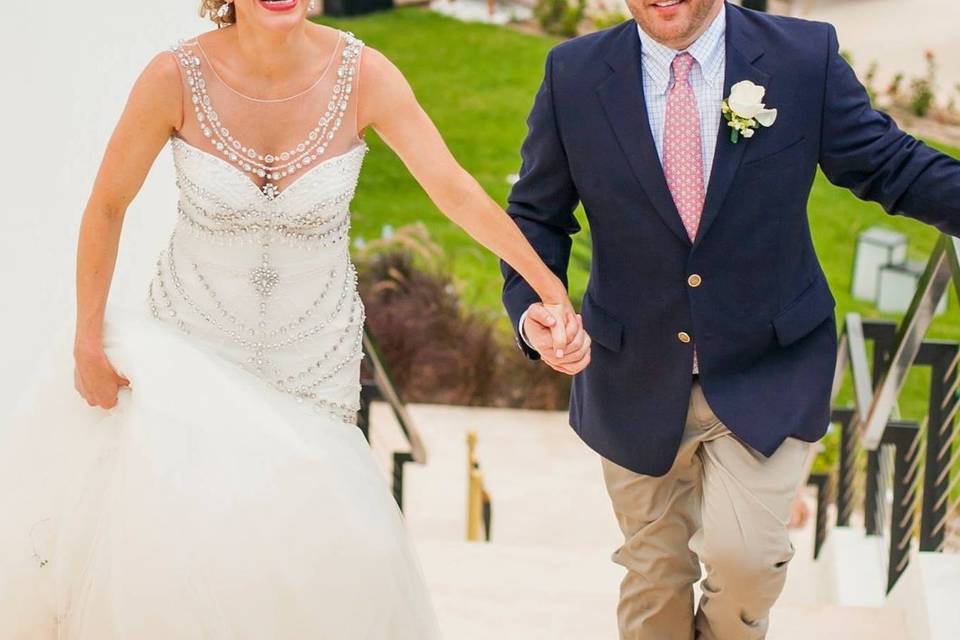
477,82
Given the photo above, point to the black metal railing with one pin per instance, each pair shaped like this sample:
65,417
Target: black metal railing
376,384
906,474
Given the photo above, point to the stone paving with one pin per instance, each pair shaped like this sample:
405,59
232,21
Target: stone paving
895,34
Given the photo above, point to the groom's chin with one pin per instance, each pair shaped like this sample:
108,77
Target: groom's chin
672,22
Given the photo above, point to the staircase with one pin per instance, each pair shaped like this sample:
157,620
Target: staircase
547,573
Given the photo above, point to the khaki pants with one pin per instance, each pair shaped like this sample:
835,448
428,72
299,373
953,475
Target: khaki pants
722,504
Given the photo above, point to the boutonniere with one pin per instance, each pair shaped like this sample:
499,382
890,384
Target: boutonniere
744,110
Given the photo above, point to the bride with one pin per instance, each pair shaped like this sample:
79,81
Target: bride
216,487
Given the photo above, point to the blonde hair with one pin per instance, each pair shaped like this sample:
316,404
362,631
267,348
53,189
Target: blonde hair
209,9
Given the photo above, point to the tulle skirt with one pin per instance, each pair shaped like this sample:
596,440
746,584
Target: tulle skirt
205,506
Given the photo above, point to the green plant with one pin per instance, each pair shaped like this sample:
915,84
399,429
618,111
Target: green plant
603,17
608,19
952,104
893,89
921,88
560,17
921,97
869,81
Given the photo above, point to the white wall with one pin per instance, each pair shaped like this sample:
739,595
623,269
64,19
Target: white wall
68,67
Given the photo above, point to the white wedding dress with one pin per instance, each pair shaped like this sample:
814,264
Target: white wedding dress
228,495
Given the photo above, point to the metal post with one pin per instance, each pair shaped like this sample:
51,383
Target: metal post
400,459
822,482
903,437
474,491
368,393
884,335
943,359
846,477
872,494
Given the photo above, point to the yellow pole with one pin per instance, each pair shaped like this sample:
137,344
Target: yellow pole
474,491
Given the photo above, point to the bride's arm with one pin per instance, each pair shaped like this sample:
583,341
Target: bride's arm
387,103
153,112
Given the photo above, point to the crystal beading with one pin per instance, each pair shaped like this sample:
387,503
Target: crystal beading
261,275
290,161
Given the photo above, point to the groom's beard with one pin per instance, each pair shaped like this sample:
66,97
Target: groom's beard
675,23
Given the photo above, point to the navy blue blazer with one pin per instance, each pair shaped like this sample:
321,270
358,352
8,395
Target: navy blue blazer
762,317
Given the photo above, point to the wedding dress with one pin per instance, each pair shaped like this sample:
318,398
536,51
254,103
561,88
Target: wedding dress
228,495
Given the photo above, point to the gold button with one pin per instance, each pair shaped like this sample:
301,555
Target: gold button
694,280
683,337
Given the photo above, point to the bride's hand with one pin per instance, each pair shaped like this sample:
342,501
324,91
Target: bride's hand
556,331
96,379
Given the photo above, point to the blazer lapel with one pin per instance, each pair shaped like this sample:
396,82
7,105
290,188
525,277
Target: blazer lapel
624,104
741,53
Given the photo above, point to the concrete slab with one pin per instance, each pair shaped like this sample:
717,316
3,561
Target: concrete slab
548,571
927,595
517,592
895,33
853,623
546,485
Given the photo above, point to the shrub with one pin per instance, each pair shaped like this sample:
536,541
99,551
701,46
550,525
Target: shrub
921,89
560,17
438,350
894,88
608,19
603,17
869,81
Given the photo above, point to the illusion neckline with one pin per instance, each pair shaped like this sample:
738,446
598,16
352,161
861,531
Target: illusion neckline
176,139
313,85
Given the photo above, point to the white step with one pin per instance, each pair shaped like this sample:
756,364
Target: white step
485,590
813,622
548,573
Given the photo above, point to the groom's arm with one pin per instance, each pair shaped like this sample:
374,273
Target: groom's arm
864,150
542,203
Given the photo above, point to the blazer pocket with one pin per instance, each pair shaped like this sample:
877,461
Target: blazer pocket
807,312
603,328
776,156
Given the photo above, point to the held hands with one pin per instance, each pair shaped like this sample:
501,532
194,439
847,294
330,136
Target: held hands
96,379
557,333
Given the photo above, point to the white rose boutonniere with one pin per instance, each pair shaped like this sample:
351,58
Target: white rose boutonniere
744,110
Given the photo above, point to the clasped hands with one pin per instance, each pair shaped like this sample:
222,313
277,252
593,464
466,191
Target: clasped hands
556,332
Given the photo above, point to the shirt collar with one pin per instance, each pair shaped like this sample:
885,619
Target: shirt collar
708,50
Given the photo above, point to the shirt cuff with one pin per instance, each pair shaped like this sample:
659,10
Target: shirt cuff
522,333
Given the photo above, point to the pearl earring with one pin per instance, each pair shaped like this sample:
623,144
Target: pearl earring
312,6
224,9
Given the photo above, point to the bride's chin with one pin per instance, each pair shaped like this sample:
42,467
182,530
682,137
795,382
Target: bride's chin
274,20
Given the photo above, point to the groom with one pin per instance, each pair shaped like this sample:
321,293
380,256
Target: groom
712,324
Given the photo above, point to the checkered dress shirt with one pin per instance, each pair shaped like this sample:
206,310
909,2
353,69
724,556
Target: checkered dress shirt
706,77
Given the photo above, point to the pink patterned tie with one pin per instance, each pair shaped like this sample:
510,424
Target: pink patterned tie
682,147
683,152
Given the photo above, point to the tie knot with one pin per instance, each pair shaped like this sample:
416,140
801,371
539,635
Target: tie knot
681,66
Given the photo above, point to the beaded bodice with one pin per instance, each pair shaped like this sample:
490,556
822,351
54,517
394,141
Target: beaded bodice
264,275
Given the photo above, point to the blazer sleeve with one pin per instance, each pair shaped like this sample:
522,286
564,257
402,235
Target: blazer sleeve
863,150
541,203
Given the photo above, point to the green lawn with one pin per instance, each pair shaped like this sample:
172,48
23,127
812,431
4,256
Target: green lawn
478,82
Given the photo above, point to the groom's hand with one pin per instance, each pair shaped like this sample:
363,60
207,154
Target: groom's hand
539,329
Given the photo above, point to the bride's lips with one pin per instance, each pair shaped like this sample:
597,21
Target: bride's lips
278,5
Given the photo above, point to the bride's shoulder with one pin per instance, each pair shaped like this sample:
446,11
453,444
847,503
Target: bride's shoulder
162,73
374,64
